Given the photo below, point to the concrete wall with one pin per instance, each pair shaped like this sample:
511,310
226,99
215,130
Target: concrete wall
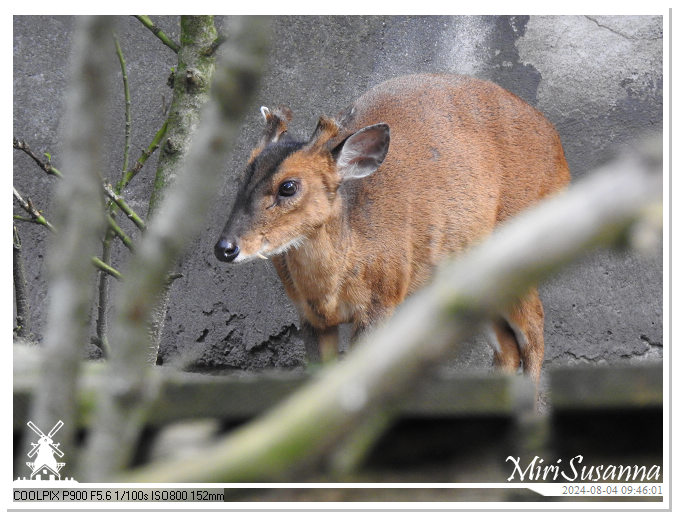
598,79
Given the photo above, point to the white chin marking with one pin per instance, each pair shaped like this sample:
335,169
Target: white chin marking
266,254
294,243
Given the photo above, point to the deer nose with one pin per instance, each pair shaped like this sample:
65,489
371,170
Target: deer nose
226,250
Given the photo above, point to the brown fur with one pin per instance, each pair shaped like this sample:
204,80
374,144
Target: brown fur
464,155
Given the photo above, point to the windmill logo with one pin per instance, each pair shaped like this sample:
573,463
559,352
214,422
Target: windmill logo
45,451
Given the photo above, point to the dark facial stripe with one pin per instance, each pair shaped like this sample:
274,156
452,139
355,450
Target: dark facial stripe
262,168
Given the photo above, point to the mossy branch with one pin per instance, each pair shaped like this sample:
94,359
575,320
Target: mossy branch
190,93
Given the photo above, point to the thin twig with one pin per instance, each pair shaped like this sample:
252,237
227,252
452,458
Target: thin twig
146,21
114,196
128,103
25,219
37,218
23,308
28,207
102,297
44,165
139,164
117,230
120,202
113,227
103,266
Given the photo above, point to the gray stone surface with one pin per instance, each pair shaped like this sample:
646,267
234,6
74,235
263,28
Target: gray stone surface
598,79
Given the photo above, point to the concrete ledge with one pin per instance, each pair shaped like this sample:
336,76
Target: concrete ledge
241,396
610,387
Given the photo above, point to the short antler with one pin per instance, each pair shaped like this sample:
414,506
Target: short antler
276,123
326,130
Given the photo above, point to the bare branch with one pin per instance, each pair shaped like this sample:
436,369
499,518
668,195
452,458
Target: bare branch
79,218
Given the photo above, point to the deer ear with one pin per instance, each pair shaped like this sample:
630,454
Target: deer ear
363,152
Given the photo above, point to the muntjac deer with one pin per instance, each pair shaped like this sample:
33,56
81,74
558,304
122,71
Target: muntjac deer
357,217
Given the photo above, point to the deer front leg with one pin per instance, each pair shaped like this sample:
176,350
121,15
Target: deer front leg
372,320
321,345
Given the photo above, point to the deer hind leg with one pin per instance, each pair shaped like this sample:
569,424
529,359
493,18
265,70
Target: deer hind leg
506,355
520,336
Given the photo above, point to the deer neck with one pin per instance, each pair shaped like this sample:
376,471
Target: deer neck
316,271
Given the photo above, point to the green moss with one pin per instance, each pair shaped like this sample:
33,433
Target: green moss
197,30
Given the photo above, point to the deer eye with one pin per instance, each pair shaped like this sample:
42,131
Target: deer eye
287,188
